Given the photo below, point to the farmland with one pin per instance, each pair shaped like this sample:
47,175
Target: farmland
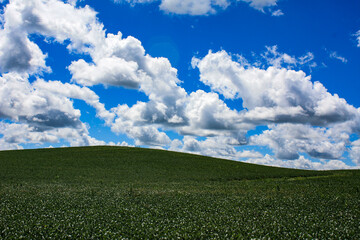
133,193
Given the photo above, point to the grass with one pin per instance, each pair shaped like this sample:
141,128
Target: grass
133,193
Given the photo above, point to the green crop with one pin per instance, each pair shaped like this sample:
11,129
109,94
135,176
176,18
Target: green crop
132,193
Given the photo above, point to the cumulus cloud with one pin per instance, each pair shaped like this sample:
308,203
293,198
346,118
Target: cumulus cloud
15,134
191,7
261,4
204,7
115,61
52,19
208,114
302,116
133,2
129,120
72,91
21,101
43,103
355,152
185,7
288,140
42,111
274,94
200,114
300,163
108,71
218,146
123,62
169,105
19,54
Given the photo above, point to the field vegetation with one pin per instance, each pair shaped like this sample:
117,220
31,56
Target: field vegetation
134,193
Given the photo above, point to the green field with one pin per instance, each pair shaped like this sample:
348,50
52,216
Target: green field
134,193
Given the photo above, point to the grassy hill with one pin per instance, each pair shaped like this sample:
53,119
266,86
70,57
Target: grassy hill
134,193
122,164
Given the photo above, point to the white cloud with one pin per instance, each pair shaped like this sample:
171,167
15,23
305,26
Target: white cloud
185,7
21,101
53,19
274,94
191,7
261,4
301,163
121,144
249,154
15,134
303,116
204,7
277,13
19,54
288,140
45,104
117,62
108,71
143,135
133,2
277,59
200,113
43,111
73,2
355,152
212,146
208,115
335,55
357,35
75,92
123,62
153,76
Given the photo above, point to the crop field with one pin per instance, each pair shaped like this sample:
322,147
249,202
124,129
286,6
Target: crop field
133,193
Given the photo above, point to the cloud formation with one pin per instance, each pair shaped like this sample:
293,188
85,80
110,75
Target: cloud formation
15,134
261,4
357,35
191,7
221,147
205,7
355,152
335,55
302,118
42,112
275,94
300,163
288,140
52,19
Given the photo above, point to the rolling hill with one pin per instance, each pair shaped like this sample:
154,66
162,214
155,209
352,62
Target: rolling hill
124,164
134,193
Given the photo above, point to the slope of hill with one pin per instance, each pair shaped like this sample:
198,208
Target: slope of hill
134,193
123,164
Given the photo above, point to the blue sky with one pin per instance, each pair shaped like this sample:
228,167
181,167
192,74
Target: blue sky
271,82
